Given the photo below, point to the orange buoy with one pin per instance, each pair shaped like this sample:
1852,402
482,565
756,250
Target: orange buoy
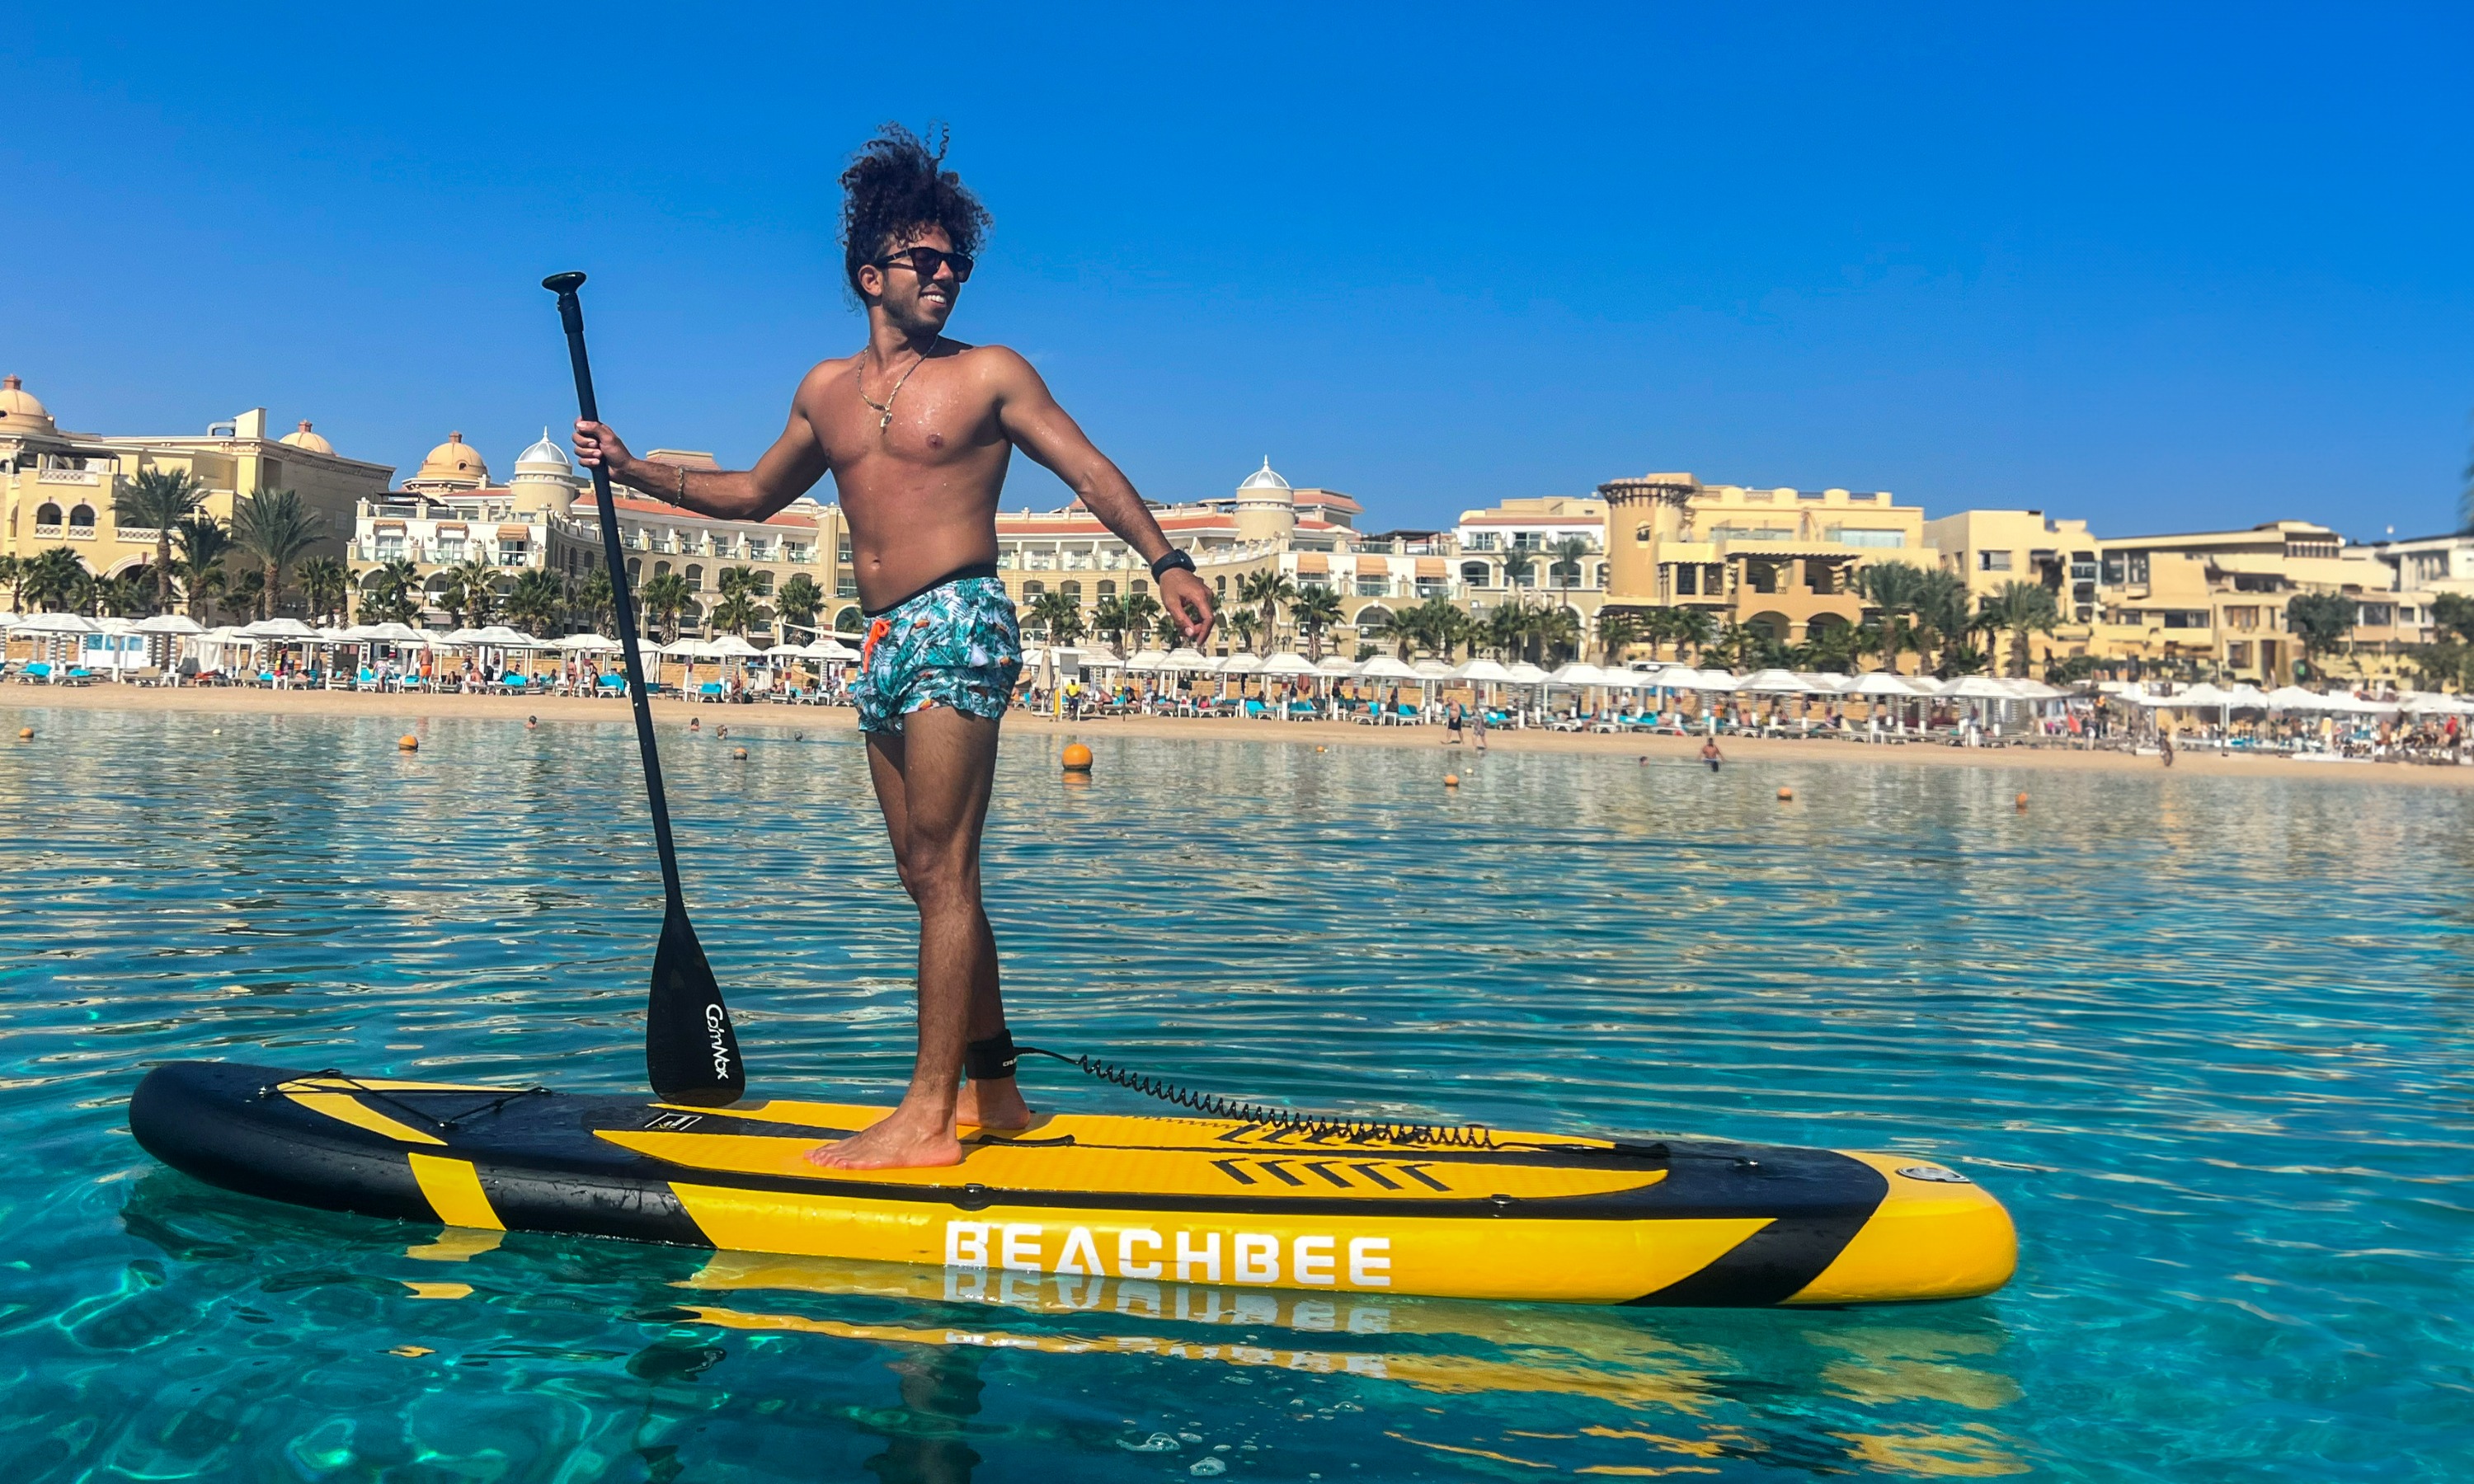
25,733
1076,759
739,753
1786,796
1451,780
1318,747
2022,802
407,742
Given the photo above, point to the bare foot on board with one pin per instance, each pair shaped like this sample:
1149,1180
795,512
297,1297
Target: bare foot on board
996,1105
904,1140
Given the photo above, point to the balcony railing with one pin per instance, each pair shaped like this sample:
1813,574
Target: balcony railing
142,534
47,532
81,533
68,476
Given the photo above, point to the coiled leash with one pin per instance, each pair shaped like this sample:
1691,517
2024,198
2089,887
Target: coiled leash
995,1057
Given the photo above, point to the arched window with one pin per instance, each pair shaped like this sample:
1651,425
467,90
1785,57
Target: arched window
1139,586
849,620
1374,618
1564,574
1107,589
47,513
695,578
82,515
1033,589
1641,535
661,569
635,569
1072,591
1476,574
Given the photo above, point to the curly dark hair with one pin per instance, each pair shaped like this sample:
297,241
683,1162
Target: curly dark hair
894,187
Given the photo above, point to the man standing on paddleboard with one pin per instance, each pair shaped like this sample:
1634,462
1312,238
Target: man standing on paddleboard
917,430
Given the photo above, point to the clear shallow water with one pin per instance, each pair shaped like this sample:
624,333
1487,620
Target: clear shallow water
2209,1038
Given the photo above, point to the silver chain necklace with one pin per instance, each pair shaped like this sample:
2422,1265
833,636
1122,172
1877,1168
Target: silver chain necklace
885,407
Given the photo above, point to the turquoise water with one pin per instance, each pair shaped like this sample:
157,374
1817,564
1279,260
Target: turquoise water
2209,1038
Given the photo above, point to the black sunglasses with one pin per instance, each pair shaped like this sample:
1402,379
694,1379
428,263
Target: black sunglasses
924,262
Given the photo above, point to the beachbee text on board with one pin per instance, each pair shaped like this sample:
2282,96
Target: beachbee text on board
1312,1260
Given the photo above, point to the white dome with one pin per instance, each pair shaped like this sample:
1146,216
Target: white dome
544,458
1262,479
19,411
304,436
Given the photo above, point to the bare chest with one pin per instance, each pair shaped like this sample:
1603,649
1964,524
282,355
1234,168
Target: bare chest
935,416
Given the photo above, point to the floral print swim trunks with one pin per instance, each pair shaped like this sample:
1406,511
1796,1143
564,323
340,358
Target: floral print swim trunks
956,644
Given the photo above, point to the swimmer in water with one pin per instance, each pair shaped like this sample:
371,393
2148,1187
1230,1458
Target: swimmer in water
1710,754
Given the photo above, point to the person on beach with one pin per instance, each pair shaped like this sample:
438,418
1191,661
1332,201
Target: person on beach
1452,724
1710,754
917,430
1477,726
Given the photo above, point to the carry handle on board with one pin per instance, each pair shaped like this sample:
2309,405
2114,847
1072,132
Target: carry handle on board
691,1051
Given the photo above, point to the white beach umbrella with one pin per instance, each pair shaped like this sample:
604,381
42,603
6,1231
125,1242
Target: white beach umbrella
1337,668
2031,690
1975,687
1713,680
56,623
391,633
732,646
1829,682
1922,684
2245,697
1773,683
2294,698
500,636
2356,706
832,649
468,634
1385,667
1286,663
1146,661
1579,673
1241,663
170,623
1882,682
1432,670
1523,673
1186,656
279,629
589,644
1482,670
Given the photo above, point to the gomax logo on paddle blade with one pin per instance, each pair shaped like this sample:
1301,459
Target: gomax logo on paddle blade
690,1050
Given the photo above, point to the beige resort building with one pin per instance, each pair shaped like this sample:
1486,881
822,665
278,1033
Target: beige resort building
545,516
57,487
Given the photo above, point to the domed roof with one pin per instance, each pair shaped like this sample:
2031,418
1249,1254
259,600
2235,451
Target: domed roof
303,438
457,460
545,458
19,411
1262,479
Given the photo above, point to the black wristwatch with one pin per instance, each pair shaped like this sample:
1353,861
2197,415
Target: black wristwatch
1170,562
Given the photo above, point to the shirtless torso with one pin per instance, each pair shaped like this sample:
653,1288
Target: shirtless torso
917,431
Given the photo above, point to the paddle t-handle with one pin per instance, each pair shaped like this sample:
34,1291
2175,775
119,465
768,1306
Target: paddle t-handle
690,1050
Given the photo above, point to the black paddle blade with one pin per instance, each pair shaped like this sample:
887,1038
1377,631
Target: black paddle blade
691,1052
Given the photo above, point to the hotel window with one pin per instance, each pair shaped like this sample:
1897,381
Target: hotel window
1139,586
47,513
1993,562
695,578
1072,591
1854,536
1688,580
1474,573
845,586
763,584
841,551
659,568
635,569
2238,653
1107,589
1373,585
795,551
2241,617
2376,615
390,548
511,551
82,515
1034,590
2112,568
2185,618
1641,535
450,550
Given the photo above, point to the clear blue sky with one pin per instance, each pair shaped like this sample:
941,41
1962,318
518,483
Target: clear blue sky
2161,266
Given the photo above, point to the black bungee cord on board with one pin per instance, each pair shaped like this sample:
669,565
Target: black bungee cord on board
1314,1127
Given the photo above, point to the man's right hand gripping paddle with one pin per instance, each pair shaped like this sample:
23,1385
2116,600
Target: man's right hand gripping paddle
691,1052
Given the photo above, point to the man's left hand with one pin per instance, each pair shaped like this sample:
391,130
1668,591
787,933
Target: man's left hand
1188,600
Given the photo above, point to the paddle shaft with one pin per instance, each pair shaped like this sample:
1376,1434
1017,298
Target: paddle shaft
570,314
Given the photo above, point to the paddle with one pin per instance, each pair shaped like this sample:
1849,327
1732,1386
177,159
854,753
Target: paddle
691,1052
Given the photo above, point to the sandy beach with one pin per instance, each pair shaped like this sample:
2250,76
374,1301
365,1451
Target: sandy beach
19,705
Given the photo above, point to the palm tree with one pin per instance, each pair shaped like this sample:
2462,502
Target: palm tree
244,590
1059,615
2319,620
1695,628
158,500
1108,621
1618,632
54,580
11,570
1942,617
1517,564
1246,624
798,602
469,593
393,594
324,582
1142,611
1896,590
2022,609
1270,590
1165,631
204,541
1315,609
738,609
1556,633
274,527
1568,554
665,598
538,602
125,596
